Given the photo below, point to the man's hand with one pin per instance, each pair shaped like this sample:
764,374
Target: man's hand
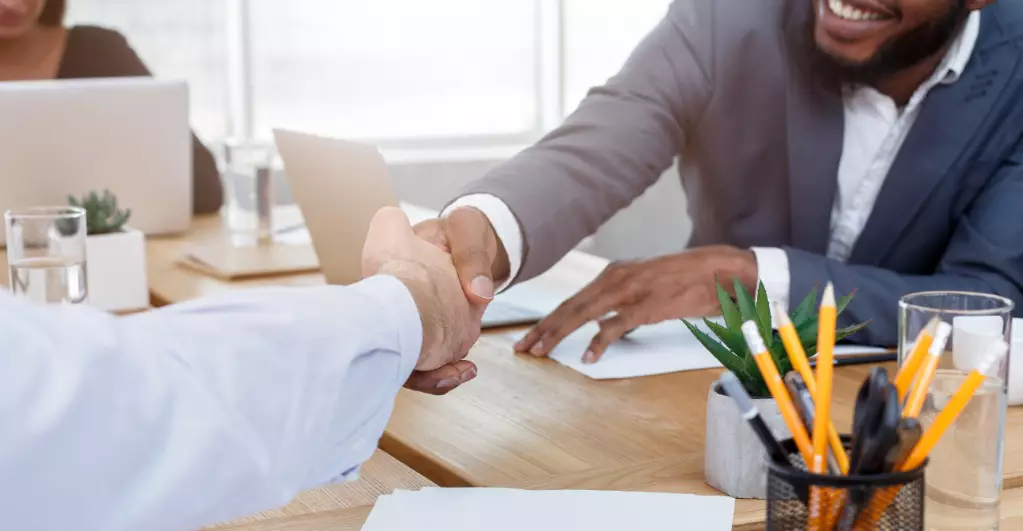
628,295
479,257
450,324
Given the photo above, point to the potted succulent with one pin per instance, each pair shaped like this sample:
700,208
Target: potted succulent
115,255
734,460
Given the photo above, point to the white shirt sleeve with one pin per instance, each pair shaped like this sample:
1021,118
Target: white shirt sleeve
773,270
196,413
505,226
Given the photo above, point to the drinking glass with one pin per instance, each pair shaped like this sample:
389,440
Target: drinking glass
964,477
249,185
46,254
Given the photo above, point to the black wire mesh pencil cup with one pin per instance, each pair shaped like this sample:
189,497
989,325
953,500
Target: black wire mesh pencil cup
886,502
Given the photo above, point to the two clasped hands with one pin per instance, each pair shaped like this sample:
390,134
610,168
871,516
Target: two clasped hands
452,264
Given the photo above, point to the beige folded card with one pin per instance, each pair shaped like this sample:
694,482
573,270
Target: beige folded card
227,262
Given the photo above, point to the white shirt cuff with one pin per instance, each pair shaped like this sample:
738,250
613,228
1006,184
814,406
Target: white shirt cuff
399,308
505,226
773,270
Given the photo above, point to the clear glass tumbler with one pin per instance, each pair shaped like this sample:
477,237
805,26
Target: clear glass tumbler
46,254
964,477
248,176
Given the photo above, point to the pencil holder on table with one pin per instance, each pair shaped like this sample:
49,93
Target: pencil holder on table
885,502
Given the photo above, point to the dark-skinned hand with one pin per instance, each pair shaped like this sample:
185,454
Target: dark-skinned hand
628,295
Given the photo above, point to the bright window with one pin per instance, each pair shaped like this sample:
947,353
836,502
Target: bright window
179,39
437,72
394,68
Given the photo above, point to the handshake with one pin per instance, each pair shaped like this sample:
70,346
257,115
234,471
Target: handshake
450,266
451,310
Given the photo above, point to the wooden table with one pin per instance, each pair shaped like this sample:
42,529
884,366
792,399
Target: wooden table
533,423
348,502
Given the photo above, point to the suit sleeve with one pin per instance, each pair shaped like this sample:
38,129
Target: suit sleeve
984,255
619,141
120,59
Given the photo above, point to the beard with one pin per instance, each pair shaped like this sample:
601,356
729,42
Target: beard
896,54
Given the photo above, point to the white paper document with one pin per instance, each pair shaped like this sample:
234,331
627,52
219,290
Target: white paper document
653,349
475,509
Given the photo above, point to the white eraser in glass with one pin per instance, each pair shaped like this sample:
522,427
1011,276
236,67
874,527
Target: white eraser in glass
972,335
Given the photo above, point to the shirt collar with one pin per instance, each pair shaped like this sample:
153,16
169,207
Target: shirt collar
958,55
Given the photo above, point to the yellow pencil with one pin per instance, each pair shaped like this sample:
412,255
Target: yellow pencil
911,366
777,388
955,406
826,321
919,391
794,348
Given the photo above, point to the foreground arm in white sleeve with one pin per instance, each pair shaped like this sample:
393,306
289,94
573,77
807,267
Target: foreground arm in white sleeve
197,413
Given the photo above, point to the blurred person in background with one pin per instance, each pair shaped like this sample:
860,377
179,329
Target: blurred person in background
35,44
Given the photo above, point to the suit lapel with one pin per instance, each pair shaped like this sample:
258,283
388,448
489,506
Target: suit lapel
945,129
815,130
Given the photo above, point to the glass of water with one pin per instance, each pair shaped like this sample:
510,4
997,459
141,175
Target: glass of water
964,477
248,175
46,254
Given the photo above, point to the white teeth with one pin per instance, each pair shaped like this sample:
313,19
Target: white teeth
849,12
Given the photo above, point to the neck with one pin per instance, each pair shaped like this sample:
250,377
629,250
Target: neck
11,49
901,85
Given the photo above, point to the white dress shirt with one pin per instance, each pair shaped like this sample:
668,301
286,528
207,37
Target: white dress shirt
189,415
875,128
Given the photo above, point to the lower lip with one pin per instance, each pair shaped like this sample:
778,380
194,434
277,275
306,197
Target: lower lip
10,19
847,30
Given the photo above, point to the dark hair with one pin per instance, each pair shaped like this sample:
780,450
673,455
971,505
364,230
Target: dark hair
53,13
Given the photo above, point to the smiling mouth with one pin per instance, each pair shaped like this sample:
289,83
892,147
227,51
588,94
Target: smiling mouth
848,12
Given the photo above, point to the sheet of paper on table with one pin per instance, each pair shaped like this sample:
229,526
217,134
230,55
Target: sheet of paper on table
473,509
654,349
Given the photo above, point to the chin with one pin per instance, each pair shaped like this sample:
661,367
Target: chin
13,33
849,54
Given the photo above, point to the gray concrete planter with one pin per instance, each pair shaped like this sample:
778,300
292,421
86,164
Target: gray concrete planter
734,460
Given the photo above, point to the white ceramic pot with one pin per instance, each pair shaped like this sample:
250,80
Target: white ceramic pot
116,270
735,461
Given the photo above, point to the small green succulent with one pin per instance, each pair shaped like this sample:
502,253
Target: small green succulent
102,216
730,346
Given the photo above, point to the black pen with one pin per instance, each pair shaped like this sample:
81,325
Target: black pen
860,359
803,401
732,387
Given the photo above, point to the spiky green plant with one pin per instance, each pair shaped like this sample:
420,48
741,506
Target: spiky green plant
730,346
102,216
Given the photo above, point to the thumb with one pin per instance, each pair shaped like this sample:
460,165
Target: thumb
388,231
467,238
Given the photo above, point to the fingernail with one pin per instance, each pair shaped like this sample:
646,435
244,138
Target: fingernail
448,383
537,349
483,287
589,357
468,375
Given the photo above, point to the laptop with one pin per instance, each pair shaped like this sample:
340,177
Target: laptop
69,137
339,186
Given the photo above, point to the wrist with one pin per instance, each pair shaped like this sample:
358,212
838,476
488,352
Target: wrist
741,264
417,280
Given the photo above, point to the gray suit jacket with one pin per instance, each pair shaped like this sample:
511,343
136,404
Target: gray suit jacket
720,84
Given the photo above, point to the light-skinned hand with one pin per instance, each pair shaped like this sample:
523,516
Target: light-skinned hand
451,325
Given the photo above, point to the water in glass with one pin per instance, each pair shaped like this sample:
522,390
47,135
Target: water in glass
49,279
